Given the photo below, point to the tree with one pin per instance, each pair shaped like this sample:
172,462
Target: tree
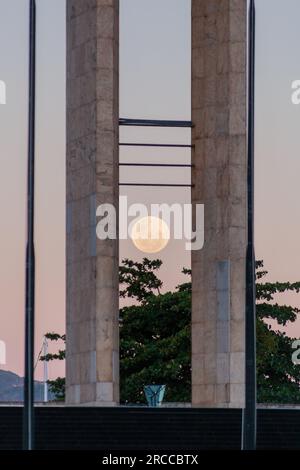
278,378
155,345
140,279
57,386
148,337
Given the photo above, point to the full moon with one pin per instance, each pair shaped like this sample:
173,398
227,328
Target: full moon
150,234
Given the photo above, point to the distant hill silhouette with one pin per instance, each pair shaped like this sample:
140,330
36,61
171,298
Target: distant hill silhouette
12,388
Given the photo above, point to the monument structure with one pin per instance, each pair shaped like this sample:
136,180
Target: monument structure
219,105
92,370
219,175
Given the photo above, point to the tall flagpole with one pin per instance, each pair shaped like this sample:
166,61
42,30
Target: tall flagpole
28,416
249,413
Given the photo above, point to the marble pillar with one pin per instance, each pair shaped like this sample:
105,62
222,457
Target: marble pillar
219,104
92,363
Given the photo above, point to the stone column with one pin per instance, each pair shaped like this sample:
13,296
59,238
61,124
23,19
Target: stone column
92,364
219,85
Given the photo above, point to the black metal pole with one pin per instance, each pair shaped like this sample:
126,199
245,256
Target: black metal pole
28,416
249,413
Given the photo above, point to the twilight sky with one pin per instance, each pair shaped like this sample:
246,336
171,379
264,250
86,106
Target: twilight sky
155,83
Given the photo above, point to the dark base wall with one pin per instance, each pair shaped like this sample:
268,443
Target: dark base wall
60,428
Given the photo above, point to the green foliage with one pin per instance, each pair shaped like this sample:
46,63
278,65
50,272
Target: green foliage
155,338
278,378
57,386
155,347
140,279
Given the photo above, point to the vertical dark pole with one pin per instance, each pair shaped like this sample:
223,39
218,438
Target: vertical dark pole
28,417
249,414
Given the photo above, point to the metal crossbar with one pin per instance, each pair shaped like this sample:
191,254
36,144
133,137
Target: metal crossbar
155,123
129,144
164,165
161,185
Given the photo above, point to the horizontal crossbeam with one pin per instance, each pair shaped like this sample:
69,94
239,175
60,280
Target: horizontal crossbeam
162,185
129,144
154,123
164,165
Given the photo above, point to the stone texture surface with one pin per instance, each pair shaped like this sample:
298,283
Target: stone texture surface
219,113
219,176
92,178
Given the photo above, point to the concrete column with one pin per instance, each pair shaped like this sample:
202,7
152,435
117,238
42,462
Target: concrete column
219,50
92,179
